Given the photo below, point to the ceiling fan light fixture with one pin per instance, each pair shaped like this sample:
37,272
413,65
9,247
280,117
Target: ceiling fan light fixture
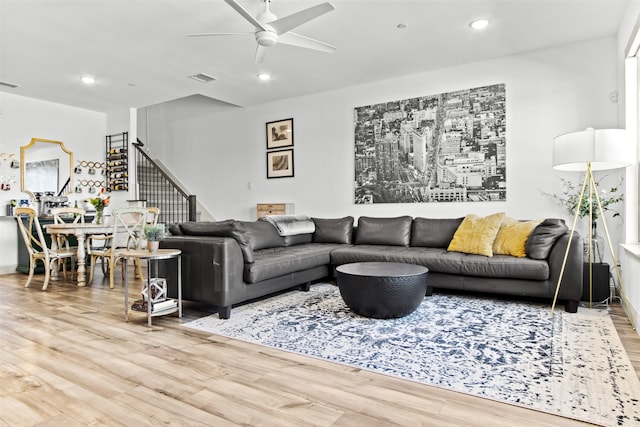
264,77
479,24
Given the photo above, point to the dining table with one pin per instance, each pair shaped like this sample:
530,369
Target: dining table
80,231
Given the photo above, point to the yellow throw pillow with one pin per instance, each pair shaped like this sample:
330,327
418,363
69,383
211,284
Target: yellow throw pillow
512,237
475,235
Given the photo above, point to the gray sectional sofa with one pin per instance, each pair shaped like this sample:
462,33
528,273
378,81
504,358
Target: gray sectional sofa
230,262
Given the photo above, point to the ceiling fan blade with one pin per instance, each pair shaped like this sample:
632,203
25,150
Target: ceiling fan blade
290,22
260,51
298,40
246,15
215,34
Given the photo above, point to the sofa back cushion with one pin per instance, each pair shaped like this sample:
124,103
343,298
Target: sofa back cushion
433,232
297,239
174,229
544,236
262,235
229,228
475,235
384,231
208,228
333,230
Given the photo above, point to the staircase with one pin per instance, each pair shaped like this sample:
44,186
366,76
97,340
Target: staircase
157,188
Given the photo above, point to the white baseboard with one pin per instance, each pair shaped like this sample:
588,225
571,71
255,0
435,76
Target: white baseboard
8,269
632,314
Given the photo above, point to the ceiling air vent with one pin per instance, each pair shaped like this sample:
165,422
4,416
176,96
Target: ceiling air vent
202,78
9,85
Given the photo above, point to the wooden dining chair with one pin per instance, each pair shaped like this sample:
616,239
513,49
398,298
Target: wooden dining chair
128,224
64,215
37,247
152,216
68,214
153,213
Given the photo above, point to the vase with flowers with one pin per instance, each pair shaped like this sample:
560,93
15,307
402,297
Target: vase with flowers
588,207
100,202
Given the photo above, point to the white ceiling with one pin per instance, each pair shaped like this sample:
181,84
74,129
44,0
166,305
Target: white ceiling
139,55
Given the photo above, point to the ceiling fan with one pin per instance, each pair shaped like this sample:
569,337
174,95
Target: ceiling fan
269,30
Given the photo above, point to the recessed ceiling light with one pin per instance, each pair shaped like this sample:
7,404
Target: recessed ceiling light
88,80
264,76
479,24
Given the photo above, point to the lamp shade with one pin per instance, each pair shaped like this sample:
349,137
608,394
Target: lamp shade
604,149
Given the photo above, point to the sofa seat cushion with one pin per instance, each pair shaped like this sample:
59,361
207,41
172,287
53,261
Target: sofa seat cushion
274,262
439,260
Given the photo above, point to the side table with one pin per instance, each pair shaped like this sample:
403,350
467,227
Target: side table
599,289
152,257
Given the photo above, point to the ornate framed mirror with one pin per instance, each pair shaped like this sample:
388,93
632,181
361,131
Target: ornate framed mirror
46,167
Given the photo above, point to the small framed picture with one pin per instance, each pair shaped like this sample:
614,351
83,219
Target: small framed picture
280,164
280,134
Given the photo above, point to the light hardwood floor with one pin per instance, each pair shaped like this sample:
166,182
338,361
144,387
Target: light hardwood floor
68,358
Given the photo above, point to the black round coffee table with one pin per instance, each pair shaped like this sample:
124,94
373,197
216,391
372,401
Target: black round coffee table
382,290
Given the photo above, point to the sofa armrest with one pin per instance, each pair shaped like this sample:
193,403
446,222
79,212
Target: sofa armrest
571,286
212,268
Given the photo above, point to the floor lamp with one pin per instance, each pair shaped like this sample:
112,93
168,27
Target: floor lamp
588,151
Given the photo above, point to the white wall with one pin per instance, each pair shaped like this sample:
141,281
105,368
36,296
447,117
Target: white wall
628,105
549,92
22,119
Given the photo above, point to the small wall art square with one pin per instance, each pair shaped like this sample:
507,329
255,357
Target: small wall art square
280,164
280,134
449,147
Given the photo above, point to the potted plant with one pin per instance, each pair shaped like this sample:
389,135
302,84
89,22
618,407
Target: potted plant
588,207
153,233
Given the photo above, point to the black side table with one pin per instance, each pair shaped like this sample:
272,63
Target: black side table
600,282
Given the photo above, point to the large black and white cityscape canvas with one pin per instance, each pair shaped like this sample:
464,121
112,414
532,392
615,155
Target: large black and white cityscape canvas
449,147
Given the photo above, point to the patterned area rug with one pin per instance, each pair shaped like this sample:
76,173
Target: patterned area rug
572,365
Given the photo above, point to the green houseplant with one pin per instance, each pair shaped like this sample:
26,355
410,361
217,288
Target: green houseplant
153,233
570,200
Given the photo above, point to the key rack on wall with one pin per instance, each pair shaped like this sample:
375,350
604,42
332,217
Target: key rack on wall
90,176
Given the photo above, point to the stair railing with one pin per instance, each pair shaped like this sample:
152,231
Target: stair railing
158,189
